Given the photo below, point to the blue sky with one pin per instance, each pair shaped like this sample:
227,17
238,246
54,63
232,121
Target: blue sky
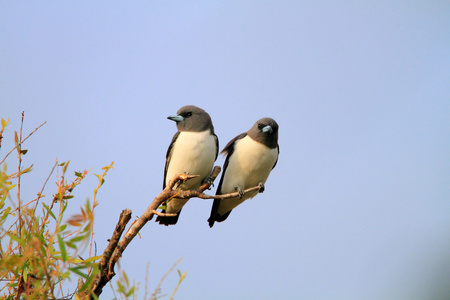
358,205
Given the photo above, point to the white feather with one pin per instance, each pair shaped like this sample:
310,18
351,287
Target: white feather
193,153
250,164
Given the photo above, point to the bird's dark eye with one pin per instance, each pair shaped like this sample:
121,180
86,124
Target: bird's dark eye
188,114
260,126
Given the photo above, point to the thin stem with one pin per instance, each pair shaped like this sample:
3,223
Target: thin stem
45,183
18,178
3,160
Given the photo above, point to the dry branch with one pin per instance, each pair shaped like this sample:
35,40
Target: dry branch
115,247
160,214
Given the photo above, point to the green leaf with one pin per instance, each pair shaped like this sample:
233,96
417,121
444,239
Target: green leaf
5,214
65,167
23,152
27,170
88,283
62,227
49,211
131,291
120,287
4,123
62,248
77,271
71,245
78,238
125,277
16,139
93,258
17,239
41,239
25,275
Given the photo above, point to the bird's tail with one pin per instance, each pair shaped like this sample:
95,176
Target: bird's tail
215,217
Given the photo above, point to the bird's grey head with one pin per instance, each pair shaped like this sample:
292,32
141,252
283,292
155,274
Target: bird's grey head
265,131
192,118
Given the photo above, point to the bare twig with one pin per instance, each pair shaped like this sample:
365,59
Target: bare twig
1,134
160,214
22,142
201,195
19,177
178,285
158,287
146,280
45,183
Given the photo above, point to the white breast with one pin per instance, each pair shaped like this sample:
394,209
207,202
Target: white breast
250,164
193,153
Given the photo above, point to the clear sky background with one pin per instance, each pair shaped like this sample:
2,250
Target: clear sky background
358,206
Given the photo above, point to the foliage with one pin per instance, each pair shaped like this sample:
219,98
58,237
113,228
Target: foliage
40,250
41,247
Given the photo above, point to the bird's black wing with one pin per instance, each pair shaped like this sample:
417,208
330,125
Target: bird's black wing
278,148
217,145
228,150
169,156
168,220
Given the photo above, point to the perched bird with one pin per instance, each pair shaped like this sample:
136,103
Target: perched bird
250,158
193,151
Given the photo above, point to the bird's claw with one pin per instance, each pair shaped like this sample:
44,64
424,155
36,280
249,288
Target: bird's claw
209,180
240,191
261,187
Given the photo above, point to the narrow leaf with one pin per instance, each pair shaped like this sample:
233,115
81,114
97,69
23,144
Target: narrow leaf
26,170
78,238
49,211
87,284
17,239
5,214
62,227
78,272
4,123
93,258
131,291
62,248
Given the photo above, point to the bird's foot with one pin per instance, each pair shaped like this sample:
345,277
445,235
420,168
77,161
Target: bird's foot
261,187
240,191
209,180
